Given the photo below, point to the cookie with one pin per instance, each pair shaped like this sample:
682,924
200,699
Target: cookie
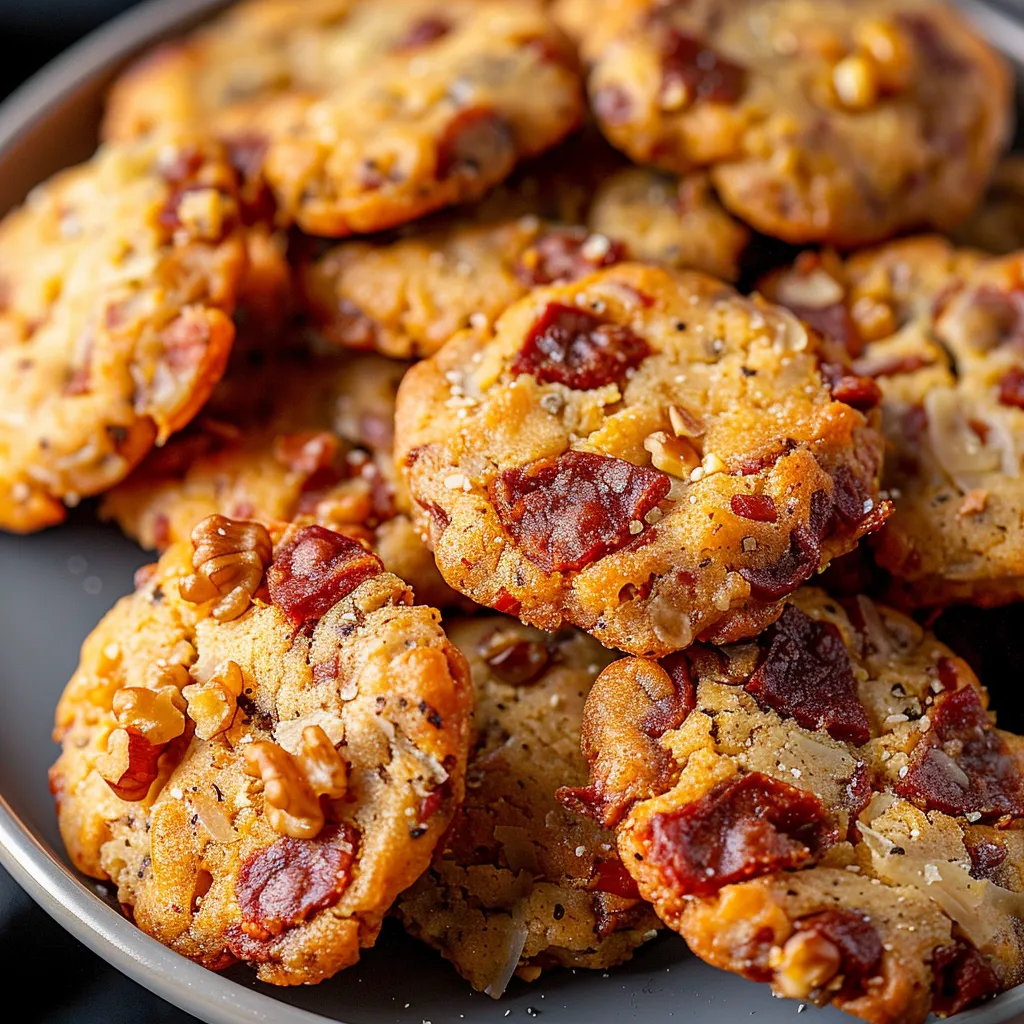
997,224
408,296
644,454
363,114
675,221
261,747
288,438
827,808
831,121
118,279
938,328
520,883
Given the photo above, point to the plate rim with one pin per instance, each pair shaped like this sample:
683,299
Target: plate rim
33,864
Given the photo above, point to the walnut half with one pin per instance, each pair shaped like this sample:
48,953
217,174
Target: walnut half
293,785
229,557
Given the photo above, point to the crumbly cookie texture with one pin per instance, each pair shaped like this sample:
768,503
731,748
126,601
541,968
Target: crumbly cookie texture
997,224
291,438
407,297
118,280
644,454
363,114
520,883
827,808
825,121
261,747
939,329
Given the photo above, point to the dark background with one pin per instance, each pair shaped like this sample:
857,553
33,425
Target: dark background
65,983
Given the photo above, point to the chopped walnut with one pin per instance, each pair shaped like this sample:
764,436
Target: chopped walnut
229,559
156,715
887,47
673,455
129,765
805,963
212,705
684,423
974,503
855,82
293,785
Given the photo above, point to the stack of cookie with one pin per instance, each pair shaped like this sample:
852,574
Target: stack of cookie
548,393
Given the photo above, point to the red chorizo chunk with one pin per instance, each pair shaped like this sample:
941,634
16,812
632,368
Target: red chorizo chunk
962,766
283,884
807,673
744,827
571,511
574,347
315,569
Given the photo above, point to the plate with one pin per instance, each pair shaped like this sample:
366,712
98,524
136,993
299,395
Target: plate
58,584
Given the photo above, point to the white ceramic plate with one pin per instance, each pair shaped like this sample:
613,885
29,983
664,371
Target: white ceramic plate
55,587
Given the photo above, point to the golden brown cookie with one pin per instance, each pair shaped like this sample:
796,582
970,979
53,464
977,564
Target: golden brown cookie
520,883
939,329
363,114
118,279
675,221
407,297
560,218
289,438
642,453
827,121
261,747
827,808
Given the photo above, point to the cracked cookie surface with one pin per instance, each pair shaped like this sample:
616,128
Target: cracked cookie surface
825,121
939,329
363,115
118,279
644,454
261,747
827,808
520,883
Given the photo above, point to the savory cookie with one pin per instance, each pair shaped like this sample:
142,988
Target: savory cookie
118,278
363,114
826,808
675,221
292,438
261,747
408,296
997,223
941,330
843,121
645,454
520,883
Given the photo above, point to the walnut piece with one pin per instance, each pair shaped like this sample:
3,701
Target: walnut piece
229,558
672,455
293,785
212,705
148,720
156,715
129,765
806,962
